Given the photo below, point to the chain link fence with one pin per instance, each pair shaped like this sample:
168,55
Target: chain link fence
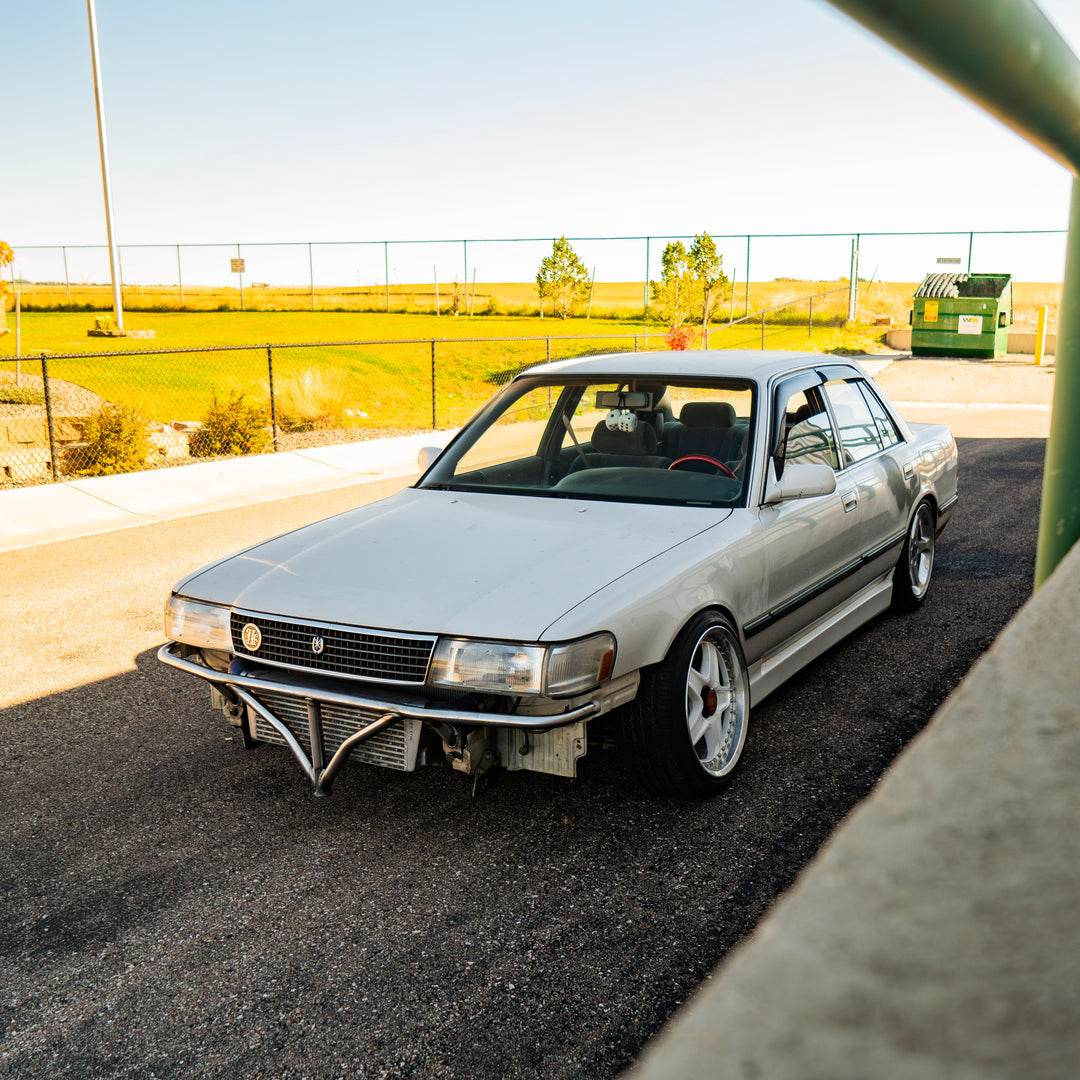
73,415
441,275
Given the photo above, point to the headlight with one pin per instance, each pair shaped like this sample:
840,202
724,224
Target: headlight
501,668
195,623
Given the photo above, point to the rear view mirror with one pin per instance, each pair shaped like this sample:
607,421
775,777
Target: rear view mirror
623,399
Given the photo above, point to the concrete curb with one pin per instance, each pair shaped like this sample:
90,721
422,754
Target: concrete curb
50,512
935,934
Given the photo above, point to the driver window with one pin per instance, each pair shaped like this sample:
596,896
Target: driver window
515,435
808,437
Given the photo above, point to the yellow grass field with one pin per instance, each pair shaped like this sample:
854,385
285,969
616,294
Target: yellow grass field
880,303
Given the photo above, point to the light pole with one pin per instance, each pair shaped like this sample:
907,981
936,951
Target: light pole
103,142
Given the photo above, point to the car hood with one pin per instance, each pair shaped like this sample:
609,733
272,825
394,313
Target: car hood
427,561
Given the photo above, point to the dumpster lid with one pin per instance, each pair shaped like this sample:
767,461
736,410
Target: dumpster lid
987,286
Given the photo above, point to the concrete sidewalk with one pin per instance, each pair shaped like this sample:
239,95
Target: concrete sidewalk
38,515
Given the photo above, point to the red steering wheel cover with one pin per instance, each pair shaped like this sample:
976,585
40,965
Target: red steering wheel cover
708,461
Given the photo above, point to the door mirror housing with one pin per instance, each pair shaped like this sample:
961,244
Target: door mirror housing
426,456
800,481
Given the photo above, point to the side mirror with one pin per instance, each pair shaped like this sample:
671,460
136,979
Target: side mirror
426,457
801,482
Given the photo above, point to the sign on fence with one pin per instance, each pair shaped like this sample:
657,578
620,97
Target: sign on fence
238,265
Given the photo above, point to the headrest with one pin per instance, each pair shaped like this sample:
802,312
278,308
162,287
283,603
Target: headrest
642,440
708,414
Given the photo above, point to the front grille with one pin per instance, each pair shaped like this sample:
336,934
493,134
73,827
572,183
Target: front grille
394,747
356,654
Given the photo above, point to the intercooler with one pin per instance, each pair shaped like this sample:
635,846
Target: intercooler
395,747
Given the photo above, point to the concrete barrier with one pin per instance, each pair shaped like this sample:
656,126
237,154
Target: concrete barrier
1019,341
935,934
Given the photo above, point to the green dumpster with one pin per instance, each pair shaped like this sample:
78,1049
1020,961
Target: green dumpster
962,315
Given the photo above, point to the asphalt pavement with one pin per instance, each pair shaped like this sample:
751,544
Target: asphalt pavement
177,906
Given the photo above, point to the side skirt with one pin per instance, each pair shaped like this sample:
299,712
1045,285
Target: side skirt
775,667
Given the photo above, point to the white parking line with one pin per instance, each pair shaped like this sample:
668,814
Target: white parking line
968,405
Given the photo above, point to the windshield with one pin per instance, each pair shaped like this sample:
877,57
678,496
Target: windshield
636,440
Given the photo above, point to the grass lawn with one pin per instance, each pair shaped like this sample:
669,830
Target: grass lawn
386,384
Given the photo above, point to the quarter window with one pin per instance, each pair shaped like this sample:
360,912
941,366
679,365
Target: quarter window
885,426
859,435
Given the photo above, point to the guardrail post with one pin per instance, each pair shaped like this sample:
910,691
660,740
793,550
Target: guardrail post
1040,336
273,400
49,417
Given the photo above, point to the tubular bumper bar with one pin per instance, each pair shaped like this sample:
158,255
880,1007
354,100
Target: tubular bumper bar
168,654
320,774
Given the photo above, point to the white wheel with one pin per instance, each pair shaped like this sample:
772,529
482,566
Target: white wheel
687,726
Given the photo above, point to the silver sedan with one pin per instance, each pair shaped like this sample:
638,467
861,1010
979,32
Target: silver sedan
663,536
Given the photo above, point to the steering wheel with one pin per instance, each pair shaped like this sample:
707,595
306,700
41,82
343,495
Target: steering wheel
718,465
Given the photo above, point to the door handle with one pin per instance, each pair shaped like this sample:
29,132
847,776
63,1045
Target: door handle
909,470
851,501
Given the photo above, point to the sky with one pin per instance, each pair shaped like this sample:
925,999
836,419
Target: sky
345,124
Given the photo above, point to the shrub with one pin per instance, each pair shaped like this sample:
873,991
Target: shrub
231,427
310,400
116,441
680,337
458,297
20,395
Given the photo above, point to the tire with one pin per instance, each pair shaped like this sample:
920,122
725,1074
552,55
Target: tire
911,578
687,726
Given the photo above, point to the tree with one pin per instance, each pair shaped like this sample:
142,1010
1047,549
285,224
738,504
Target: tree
705,266
673,293
7,256
562,277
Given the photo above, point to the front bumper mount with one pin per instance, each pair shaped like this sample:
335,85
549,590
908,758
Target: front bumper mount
241,687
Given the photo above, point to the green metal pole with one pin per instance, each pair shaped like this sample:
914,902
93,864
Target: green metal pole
645,292
1003,54
1006,56
1059,522
747,304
